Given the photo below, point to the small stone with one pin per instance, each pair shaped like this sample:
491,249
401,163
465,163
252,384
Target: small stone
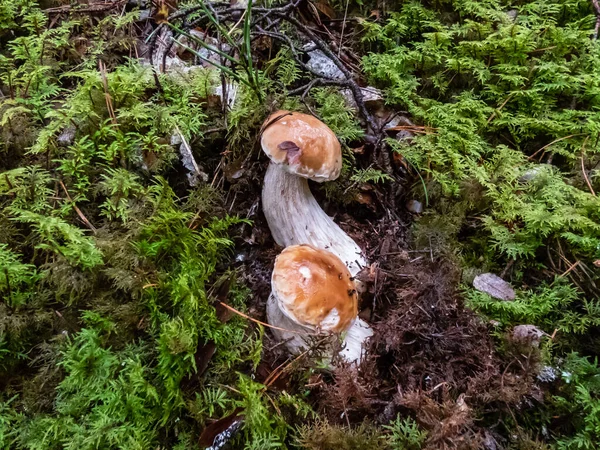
372,97
231,89
66,137
322,65
414,206
527,334
145,14
531,174
495,286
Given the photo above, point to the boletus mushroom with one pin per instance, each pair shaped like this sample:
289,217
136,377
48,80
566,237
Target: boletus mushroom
313,295
301,147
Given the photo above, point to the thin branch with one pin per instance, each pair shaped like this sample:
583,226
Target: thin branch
554,142
583,171
76,208
264,324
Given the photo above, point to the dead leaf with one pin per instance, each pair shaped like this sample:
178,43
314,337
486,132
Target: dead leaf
162,14
218,433
325,9
400,159
234,170
527,335
203,356
495,286
364,199
221,288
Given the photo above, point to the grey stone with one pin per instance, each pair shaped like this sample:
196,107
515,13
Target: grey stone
322,65
66,137
414,206
527,334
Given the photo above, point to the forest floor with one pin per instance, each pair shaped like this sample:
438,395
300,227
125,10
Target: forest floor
135,260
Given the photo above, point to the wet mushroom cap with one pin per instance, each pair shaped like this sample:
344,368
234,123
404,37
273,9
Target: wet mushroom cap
315,288
302,144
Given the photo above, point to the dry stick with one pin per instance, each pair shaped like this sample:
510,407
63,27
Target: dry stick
500,108
587,180
76,208
232,309
353,86
554,142
343,28
570,269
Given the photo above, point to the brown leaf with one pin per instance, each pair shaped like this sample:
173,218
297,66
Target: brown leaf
162,14
203,356
364,199
527,335
221,288
495,286
219,432
325,9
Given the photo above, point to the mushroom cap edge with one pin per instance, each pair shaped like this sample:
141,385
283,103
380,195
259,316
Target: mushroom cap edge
303,145
314,288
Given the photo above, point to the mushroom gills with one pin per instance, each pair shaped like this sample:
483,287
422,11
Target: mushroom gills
295,217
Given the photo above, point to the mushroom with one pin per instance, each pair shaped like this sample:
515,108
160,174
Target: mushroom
313,294
302,147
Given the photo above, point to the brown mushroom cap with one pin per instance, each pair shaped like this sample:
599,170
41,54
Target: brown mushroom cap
314,288
303,144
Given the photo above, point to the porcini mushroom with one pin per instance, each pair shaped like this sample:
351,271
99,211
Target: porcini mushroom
301,147
313,294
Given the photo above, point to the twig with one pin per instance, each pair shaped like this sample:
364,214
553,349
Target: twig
500,108
587,180
245,316
554,142
76,208
343,28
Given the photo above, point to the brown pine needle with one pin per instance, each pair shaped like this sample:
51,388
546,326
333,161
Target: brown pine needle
585,176
245,316
76,208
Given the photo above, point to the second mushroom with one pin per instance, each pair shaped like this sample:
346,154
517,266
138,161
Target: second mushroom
314,295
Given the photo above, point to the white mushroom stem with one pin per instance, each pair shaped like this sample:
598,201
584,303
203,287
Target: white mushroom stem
297,337
295,217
